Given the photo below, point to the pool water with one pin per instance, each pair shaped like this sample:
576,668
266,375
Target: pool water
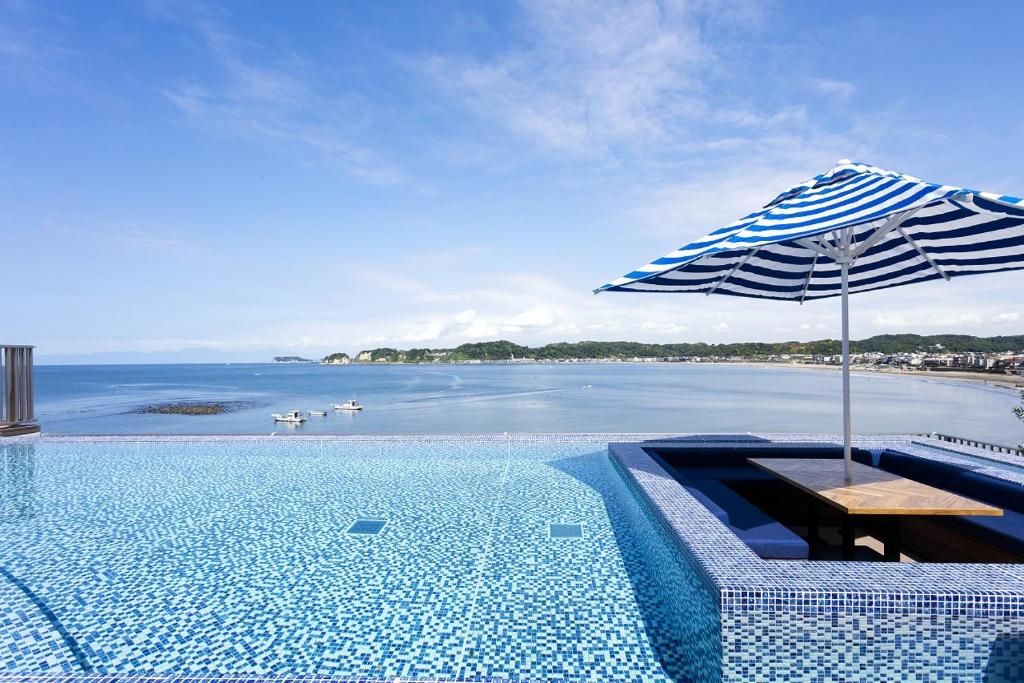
432,560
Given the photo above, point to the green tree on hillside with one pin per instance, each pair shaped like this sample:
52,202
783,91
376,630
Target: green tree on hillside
625,350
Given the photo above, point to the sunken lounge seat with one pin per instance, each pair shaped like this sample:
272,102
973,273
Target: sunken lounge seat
765,536
1005,533
714,475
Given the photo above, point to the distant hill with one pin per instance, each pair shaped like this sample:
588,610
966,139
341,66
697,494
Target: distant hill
503,350
292,359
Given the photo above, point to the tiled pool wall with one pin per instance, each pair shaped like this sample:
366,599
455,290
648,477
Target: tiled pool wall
801,620
696,631
833,645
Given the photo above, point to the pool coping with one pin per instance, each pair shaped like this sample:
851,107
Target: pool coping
457,437
744,581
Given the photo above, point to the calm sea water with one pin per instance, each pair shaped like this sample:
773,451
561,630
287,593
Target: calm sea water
515,398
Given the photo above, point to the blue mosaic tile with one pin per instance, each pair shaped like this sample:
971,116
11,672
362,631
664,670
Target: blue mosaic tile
184,573
230,559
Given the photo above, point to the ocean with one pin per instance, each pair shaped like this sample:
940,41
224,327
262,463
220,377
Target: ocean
105,399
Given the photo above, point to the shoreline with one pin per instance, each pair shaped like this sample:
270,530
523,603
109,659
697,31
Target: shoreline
1011,382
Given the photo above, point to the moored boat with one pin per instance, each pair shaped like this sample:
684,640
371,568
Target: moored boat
290,416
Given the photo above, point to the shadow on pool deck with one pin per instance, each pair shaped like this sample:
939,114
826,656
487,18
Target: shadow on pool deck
680,618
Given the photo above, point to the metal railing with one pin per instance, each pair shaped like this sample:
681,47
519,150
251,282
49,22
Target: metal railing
17,401
997,448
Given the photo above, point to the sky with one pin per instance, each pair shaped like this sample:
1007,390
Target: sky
305,178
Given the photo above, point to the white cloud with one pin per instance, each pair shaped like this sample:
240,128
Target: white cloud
891,320
425,331
589,75
367,341
465,317
268,96
692,208
534,317
1009,317
479,329
119,236
33,50
531,308
666,328
841,90
595,79
752,119
930,319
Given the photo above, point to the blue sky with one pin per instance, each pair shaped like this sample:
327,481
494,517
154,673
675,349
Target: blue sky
334,176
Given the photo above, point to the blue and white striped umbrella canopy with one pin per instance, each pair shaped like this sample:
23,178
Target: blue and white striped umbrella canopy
891,229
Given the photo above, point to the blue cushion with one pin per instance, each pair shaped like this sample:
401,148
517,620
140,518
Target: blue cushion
765,536
748,473
998,492
707,502
1006,532
931,472
863,457
695,456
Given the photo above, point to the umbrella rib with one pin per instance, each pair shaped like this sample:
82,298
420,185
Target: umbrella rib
807,282
816,247
830,247
884,230
732,270
923,253
838,240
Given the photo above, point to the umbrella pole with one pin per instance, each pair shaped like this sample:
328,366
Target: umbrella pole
844,268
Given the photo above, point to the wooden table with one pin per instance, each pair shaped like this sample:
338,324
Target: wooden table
870,491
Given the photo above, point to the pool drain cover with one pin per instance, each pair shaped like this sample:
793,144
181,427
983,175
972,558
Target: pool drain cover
367,527
565,530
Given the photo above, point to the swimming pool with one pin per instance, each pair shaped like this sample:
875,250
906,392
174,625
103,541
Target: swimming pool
241,556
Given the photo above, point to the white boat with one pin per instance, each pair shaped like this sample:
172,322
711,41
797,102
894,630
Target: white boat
350,404
318,413
290,416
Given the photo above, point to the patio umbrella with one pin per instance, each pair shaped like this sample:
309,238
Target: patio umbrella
853,229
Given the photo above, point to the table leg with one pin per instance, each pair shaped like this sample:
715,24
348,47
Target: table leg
813,533
849,527
892,538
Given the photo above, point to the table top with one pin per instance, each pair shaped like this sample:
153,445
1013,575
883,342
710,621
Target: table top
871,491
